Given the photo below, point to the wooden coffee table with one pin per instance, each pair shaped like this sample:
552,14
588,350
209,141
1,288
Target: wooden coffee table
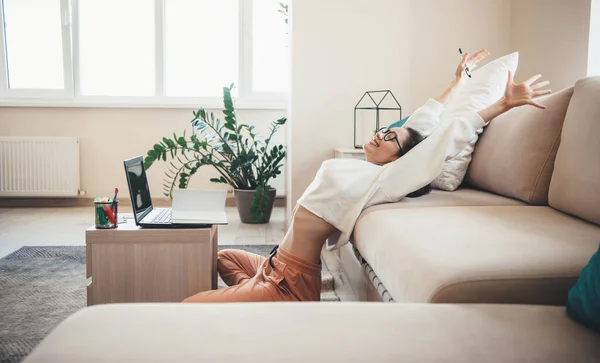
133,264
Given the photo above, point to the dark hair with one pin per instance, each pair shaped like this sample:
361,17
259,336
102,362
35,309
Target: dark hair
414,138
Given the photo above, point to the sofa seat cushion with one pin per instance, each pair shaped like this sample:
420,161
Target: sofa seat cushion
530,255
438,198
318,332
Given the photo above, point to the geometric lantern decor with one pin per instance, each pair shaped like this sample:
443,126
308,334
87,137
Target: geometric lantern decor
374,108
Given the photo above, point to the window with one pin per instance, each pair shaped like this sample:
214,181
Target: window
270,55
208,58
36,57
143,52
116,57
594,40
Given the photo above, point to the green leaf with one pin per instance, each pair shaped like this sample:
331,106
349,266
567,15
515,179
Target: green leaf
169,142
227,100
220,180
260,202
182,182
148,163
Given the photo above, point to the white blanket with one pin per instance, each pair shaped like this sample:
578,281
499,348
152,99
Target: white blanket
342,188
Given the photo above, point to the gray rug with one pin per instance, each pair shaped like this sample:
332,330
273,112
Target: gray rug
41,286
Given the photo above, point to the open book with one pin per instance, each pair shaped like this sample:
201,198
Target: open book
196,206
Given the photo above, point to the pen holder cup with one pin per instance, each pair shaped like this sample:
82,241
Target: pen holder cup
106,214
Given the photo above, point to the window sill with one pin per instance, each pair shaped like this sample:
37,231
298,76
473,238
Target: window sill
144,103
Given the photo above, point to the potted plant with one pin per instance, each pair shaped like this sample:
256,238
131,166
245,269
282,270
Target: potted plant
244,159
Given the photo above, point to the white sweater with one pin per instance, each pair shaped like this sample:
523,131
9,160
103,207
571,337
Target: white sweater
342,188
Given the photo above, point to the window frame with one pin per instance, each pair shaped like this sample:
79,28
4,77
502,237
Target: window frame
71,96
48,94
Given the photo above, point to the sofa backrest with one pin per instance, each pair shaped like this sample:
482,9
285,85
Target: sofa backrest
515,155
575,185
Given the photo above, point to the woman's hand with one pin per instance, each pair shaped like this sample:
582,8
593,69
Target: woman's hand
467,60
516,95
523,93
470,61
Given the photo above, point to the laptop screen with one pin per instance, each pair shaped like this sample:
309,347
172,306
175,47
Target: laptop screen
138,187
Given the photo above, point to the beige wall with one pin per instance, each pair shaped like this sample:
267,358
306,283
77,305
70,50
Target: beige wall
439,27
341,48
110,135
552,37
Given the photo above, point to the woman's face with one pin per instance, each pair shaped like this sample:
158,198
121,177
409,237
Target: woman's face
384,147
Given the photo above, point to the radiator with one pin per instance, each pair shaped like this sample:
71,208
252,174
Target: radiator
39,166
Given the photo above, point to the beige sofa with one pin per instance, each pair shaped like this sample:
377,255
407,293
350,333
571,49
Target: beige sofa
521,229
319,332
521,238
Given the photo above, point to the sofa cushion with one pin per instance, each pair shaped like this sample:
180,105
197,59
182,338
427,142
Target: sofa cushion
584,297
440,198
318,332
400,122
476,254
515,155
575,186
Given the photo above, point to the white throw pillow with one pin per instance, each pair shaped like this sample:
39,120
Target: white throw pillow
484,89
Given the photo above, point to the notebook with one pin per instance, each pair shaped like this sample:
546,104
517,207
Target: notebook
199,206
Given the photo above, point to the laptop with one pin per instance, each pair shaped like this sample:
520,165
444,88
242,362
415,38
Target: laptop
146,215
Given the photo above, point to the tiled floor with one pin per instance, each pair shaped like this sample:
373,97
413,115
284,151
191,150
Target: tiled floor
66,226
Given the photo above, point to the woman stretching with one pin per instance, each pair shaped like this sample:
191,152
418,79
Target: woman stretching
342,188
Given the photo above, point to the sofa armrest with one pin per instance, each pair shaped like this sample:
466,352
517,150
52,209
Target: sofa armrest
318,332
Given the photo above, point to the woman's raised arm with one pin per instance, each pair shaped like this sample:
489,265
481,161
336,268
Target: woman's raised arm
467,60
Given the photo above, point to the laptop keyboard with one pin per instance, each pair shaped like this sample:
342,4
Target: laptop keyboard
162,216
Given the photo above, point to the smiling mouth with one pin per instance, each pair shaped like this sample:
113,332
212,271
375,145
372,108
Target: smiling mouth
374,143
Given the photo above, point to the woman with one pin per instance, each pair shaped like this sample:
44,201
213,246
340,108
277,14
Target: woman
342,188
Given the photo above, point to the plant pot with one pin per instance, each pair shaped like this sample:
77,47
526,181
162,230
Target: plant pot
243,200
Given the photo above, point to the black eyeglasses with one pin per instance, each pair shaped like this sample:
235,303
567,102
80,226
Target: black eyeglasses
389,135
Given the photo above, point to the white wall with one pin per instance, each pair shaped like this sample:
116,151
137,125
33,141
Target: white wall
552,37
439,27
594,42
110,135
341,48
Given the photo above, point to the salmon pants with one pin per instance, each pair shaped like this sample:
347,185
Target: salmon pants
250,277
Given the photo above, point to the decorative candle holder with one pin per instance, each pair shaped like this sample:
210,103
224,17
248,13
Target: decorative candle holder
374,108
